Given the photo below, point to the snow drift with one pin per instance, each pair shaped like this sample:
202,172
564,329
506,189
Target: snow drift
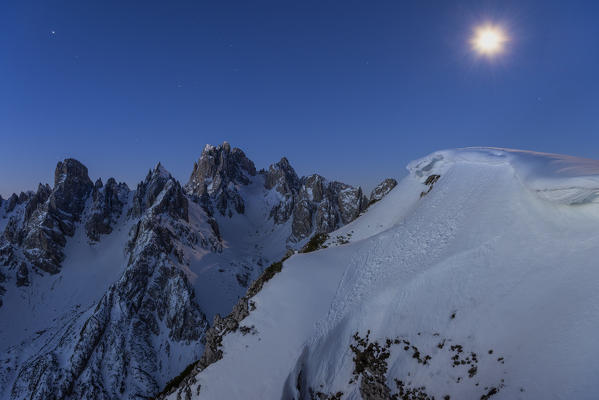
475,278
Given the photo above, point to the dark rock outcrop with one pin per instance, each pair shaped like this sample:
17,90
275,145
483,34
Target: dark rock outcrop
37,200
71,188
12,202
23,275
382,189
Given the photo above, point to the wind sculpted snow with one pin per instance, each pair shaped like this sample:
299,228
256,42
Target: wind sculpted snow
555,177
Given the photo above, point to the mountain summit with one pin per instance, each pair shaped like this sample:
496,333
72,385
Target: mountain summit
217,173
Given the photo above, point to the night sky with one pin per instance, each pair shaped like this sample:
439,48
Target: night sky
352,90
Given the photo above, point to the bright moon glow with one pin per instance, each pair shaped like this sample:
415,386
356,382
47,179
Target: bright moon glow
488,40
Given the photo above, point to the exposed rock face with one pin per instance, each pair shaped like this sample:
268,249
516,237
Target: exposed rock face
382,189
107,207
159,192
71,187
161,195
314,204
282,177
14,200
218,173
39,223
322,207
49,224
46,218
38,199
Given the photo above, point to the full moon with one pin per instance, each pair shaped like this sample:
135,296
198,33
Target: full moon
488,40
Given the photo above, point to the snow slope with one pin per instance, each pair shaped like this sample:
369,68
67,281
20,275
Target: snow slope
88,270
251,242
498,259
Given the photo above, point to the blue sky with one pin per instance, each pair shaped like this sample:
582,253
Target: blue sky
353,90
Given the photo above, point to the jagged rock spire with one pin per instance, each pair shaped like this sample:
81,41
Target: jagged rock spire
323,206
148,191
217,173
282,176
52,215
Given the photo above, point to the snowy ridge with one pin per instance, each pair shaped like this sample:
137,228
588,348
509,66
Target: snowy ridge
554,177
473,285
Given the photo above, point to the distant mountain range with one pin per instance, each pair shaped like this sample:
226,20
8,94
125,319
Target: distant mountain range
108,292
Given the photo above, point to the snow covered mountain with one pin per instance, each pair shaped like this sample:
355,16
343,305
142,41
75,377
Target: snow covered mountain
107,292
475,278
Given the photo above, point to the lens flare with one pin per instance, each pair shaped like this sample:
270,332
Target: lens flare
488,40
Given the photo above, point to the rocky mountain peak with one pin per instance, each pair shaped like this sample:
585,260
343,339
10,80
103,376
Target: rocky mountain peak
282,177
107,206
219,165
313,204
71,172
71,188
47,217
161,171
161,192
313,187
217,173
15,200
322,206
39,198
